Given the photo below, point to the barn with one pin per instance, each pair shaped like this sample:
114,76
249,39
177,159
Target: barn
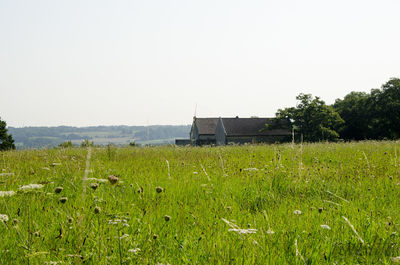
223,131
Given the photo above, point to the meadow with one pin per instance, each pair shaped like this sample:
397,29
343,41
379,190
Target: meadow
324,203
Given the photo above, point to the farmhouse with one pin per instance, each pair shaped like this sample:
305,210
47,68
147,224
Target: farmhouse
222,131
203,131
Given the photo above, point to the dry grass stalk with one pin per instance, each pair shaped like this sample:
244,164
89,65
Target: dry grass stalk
354,230
204,170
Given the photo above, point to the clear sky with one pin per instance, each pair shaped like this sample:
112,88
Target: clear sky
145,62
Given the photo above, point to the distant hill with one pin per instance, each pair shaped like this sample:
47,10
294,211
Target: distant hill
39,137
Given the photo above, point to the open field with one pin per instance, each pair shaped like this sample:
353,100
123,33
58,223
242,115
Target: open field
274,204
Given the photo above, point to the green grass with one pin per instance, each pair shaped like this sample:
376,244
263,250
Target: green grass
254,187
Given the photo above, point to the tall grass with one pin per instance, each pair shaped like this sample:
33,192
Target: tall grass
285,204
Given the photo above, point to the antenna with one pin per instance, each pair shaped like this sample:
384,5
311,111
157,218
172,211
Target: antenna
195,110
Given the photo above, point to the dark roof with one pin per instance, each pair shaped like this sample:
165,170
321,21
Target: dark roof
254,127
206,125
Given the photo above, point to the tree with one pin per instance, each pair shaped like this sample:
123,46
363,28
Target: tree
6,140
356,112
386,104
313,119
374,115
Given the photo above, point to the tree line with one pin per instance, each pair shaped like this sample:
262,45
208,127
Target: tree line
358,116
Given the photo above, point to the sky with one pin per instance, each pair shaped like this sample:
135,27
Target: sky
96,62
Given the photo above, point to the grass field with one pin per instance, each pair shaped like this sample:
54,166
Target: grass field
274,204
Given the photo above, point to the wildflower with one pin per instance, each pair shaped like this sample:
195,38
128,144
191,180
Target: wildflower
8,193
250,169
134,250
159,189
6,174
124,236
113,179
3,218
31,187
297,212
395,259
94,186
63,199
58,189
97,210
97,180
167,218
270,232
327,227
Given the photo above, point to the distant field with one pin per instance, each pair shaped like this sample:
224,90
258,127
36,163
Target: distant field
265,204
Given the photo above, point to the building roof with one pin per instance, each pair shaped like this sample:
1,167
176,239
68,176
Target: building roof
254,127
206,125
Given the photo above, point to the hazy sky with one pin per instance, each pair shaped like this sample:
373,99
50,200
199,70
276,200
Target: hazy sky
151,61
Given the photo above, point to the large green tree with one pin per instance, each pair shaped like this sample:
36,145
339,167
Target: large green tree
355,110
6,140
313,119
374,115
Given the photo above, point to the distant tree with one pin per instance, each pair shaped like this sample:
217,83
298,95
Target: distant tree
313,119
67,144
86,143
6,140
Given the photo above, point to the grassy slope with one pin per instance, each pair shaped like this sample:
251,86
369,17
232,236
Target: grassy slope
364,178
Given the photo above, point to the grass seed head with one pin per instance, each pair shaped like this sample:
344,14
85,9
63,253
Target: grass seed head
159,189
167,218
113,179
63,199
58,189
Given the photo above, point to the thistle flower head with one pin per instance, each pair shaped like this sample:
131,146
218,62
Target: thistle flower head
113,179
94,186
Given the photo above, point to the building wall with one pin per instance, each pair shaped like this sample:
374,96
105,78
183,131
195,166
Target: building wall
256,139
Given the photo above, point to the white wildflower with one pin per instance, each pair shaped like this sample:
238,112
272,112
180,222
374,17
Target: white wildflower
270,232
7,193
6,174
395,259
326,227
298,212
124,236
251,169
31,187
3,218
134,250
98,180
